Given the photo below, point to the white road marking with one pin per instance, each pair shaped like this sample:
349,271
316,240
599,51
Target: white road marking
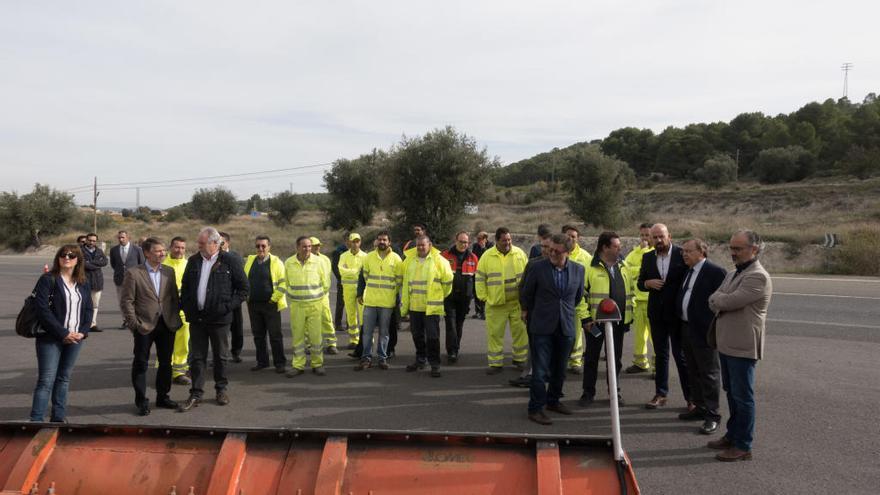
824,295
820,279
823,323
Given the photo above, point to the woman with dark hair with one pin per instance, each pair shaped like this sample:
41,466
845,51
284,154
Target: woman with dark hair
64,309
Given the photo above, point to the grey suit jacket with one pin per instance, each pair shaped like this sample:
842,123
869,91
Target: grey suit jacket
142,308
740,307
135,257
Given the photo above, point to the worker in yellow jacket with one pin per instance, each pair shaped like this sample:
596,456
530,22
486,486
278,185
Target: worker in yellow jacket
306,284
377,291
641,327
583,258
427,280
327,329
350,264
180,354
497,284
265,273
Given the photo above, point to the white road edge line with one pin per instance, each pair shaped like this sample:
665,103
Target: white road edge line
824,295
828,323
818,279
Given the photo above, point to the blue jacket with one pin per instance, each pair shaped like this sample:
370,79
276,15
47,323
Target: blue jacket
548,308
51,316
698,313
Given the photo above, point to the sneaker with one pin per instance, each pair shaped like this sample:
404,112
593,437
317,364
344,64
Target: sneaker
435,372
361,366
452,358
222,398
415,367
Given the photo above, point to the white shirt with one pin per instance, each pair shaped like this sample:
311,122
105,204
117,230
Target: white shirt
123,252
204,275
73,299
663,263
686,299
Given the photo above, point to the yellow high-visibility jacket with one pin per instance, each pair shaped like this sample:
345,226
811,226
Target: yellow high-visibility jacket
382,277
425,284
350,267
498,275
583,258
598,288
276,270
328,267
634,261
305,282
179,267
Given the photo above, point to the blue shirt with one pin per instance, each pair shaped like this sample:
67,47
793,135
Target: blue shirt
155,276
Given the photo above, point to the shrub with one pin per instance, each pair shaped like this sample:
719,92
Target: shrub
788,164
214,205
857,253
718,171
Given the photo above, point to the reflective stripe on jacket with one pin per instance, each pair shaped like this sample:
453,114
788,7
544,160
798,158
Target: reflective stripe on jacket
305,282
382,279
425,285
634,262
598,287
350,267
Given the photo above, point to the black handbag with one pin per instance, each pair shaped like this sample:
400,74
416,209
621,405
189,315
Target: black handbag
27,324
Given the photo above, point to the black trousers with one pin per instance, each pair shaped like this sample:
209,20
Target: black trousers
594,347
236,330
266,320
426,337
163,338
704,373
393,328
666,335
340,322
200,335
456,311
479,307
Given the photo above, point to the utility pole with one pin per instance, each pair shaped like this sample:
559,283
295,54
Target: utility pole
291,188
95,206
137,198
846,67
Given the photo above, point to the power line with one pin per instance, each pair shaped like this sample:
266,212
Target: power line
846,67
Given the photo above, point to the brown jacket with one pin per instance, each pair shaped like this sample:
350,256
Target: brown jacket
140,306
740,307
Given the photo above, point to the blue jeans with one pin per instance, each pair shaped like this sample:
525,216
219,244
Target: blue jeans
738,379
549,356
55,362
374,316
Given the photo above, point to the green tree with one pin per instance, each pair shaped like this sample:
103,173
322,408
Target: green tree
254,203
431,178
214,205
353,190
718,171
860,162
283,207
788,164
25,220
637,147
595,184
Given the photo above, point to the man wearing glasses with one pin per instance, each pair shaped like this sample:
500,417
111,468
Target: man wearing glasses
95,261
265,273
123,256
457,304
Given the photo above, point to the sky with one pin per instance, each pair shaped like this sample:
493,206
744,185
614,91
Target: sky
146,92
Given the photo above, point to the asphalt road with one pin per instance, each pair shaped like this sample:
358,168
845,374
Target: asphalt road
817,394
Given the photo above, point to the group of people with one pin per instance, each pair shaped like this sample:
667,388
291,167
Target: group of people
672,295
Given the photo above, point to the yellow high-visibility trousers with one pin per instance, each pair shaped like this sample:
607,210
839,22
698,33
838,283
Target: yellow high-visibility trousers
305,324
327,328
641,335
180,355
354,312
576,359
497,318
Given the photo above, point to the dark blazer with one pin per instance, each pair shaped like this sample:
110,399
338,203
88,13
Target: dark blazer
142,308
548,309
51,316
227,289
94,264
135,258
698,313
661,303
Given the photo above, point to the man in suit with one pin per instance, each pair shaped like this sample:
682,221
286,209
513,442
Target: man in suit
548,297
702,279
95,260
150,306
661,275
213,285
740,307
123,256
236,329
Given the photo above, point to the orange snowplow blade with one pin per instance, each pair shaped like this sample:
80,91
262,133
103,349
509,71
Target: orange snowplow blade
95,460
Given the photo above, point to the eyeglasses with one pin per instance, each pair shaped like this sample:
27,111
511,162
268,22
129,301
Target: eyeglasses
68,256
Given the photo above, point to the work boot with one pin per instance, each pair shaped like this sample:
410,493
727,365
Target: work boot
332,350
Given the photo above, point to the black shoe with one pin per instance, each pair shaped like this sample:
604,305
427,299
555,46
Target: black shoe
123,326
364,364
540,418
560,408
166,403
519,365
694,415
144,408
709,427
522,381
452,358
222,398
236,358
182,380
280,369
435,372
188,404
295,372
636,369
319,371
95,329
383,365
494,370
351,347
354,355
620,401
259,367
585,401
415,367
332,350
575,370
